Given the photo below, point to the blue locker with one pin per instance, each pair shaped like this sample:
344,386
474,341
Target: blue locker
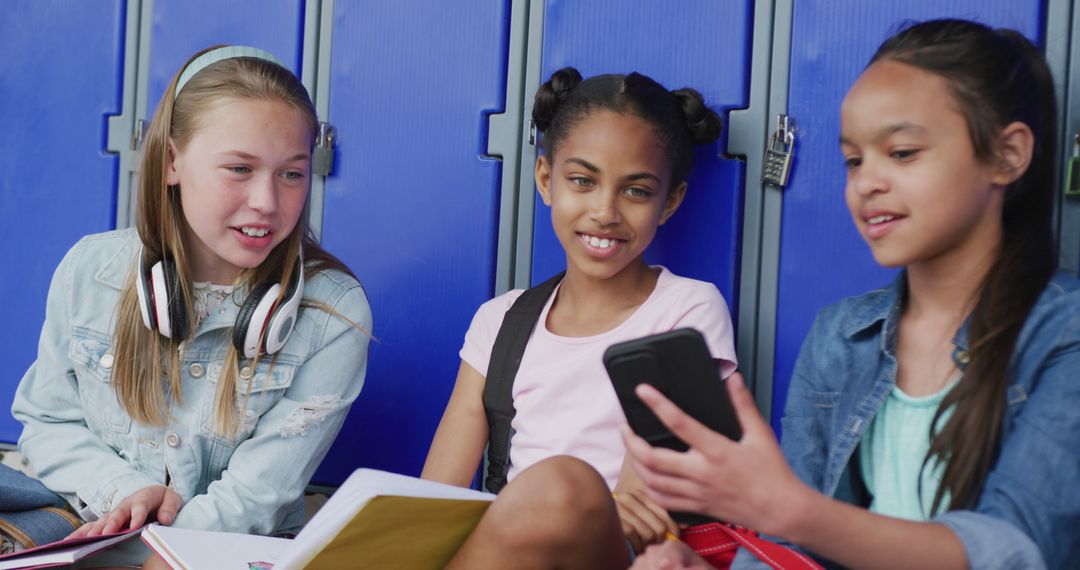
412,205
180,28
702,44
822,257
58,183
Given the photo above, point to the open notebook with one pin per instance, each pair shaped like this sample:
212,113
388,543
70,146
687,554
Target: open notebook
63,552
374,520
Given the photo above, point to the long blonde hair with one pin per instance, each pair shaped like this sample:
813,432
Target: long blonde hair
144,357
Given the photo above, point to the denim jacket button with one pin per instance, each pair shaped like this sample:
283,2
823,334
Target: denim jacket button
245,372
196,370
106,361
173,440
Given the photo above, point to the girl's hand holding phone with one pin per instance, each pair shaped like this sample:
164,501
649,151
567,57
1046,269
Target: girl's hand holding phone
157,501
746,482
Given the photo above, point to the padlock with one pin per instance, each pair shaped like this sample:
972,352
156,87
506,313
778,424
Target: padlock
1072,177
1072,174
322,161
777,164
322,156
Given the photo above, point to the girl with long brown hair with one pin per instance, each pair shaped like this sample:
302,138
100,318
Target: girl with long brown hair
932,423
196,370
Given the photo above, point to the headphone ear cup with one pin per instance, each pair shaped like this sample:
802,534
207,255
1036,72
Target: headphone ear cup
250,311
159,293
145,292
177,311
282,322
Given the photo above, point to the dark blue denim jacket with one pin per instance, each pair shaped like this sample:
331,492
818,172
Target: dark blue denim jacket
1029,513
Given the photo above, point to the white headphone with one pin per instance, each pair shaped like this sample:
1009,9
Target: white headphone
262,325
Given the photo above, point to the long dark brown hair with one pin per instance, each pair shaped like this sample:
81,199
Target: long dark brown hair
996,77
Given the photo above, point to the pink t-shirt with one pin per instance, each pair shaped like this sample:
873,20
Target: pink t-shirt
564,399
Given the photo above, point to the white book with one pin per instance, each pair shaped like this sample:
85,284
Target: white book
375,520
192,549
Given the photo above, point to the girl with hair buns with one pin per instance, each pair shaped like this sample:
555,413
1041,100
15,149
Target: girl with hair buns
616,153
932,423
194,371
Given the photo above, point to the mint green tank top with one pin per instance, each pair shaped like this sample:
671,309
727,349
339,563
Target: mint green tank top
892,451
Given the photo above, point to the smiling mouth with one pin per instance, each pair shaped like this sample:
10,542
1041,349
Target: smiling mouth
880,225
253,232
599,242
881,219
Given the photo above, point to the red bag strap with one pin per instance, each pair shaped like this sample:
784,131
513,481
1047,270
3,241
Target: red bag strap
775,555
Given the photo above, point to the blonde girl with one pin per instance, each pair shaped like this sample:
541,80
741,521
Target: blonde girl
195,371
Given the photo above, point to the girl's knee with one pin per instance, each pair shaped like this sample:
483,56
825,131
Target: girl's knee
561,482
557,513
562,493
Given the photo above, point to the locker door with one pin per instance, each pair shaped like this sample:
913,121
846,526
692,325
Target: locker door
703,44
822,257
58,183
412,205
182,27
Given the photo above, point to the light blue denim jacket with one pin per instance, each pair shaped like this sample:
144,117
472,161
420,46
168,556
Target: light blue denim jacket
1029,513
84,447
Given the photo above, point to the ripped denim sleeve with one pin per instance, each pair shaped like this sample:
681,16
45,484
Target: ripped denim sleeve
307,414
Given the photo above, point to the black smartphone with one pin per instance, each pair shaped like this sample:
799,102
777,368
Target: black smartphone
678,364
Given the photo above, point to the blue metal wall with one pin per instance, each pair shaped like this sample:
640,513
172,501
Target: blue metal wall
57,184
822,257
412,205
702,44
182,27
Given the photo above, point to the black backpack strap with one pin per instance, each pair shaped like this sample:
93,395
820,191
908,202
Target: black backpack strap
506,353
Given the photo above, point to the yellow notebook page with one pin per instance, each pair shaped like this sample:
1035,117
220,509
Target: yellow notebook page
402,532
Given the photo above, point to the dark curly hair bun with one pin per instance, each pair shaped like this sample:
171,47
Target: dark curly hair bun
703,123
552,93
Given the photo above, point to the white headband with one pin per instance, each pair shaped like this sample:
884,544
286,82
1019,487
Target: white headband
215,55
